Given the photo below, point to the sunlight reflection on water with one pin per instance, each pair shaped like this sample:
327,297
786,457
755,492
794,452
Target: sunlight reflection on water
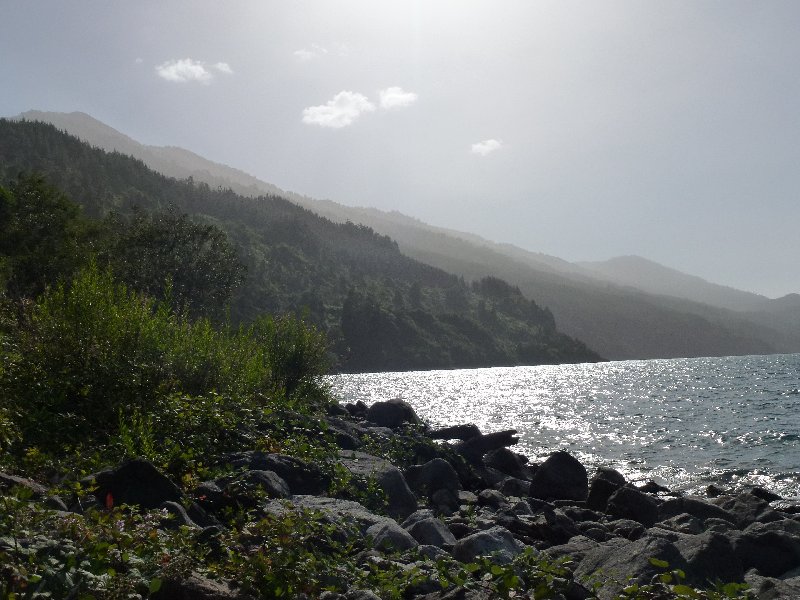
684,422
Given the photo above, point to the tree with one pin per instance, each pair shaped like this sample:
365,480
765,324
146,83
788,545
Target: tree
166,253
42,236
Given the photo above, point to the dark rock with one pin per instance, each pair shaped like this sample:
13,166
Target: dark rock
346,514
576,548
763,494
336,410
769,588
432,532
388,535
455,432
474,448
460,530
302,477
269,481
467,497
747,508
496,542
712,491
771,552
197,587
626,528
618,559
651,487
508,462
402,501
560,477
56,503
630,503
611,475
178,516
446,501
511,486
9,481
492,499
581,514
709,557
600,490
417,516
683,523
696,507
434,475
789,526
200,516
136,482
357,409
392,414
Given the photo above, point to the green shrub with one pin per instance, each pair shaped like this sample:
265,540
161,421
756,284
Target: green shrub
92,359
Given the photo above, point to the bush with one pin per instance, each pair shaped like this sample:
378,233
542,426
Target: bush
87,353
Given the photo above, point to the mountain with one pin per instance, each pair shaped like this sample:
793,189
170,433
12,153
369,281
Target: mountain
653,278
381,309
619,308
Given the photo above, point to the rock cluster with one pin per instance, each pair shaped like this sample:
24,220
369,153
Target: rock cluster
470,496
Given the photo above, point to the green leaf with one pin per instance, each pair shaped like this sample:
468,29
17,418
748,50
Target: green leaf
155,585
657,562
497,570
685,590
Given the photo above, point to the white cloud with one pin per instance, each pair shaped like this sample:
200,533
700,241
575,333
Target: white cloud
486,147
340,111
185,69
224,67
139,60
396,97
306,54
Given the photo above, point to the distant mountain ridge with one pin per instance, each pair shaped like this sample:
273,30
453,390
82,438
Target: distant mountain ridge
625,308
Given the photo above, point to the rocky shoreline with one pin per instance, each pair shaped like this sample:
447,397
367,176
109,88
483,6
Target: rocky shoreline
456,496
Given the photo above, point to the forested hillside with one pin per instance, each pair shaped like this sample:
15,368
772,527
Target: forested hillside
619,318
381,309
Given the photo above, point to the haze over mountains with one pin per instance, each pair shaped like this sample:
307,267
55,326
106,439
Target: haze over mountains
623,308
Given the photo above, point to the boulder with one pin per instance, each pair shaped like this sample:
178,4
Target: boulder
508,462
492,499
269,481
696,507
683,523
560,477
445,501
455,432
9,481
576,548
496,542
630,503
434,475
605,482
630,530
432,532
392,414
747,508
346,514
136,482
613,562
772,552
769,588
178,517
197,587
474,448
710,557
302,477
401,501
511,486
388,535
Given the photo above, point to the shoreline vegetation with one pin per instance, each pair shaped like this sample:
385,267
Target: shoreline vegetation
146,454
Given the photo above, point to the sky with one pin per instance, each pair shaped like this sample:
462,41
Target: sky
584,130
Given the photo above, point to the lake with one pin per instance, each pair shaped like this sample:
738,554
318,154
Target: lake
686,423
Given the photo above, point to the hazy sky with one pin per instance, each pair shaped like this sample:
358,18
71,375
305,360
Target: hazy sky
581,129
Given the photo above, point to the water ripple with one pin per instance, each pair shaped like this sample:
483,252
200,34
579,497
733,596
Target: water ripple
685,422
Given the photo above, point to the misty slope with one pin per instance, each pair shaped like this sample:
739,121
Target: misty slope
651,277
382,309
620,317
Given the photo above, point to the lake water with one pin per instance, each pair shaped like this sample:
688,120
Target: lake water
685,423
